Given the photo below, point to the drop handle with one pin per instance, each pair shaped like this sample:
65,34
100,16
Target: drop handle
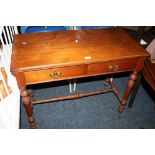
55,74
113,68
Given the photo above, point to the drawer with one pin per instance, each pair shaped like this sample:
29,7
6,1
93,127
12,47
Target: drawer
112,67
54,74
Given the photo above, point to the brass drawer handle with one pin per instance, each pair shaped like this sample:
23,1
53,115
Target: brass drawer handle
113,68
55,74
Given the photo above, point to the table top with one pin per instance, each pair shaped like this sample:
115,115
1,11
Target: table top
74,47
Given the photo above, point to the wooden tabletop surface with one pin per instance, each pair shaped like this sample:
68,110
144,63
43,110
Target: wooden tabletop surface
66,48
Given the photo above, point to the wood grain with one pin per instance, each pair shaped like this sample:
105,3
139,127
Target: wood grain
41,76
69,48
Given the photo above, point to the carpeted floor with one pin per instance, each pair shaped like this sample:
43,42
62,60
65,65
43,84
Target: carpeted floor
93,112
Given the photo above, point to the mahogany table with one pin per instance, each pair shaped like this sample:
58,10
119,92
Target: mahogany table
64,55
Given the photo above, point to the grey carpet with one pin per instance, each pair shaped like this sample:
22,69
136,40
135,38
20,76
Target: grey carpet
95,112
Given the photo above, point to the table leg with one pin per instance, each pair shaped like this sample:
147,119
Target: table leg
128,90
135,90
26,99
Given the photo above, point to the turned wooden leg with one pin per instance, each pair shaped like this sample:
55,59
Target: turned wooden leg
128,90
26,99
135,90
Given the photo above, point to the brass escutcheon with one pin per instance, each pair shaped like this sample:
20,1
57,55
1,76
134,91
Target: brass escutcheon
55,74
113,67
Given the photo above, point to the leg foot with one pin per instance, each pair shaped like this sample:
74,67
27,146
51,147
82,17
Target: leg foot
32,122
128,90
26,99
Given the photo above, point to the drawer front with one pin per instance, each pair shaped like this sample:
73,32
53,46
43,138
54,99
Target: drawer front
62,73
112,67
54,74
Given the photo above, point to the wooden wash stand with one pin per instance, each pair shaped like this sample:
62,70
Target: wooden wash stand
64,55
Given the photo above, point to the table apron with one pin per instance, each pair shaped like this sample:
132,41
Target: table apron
85,70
